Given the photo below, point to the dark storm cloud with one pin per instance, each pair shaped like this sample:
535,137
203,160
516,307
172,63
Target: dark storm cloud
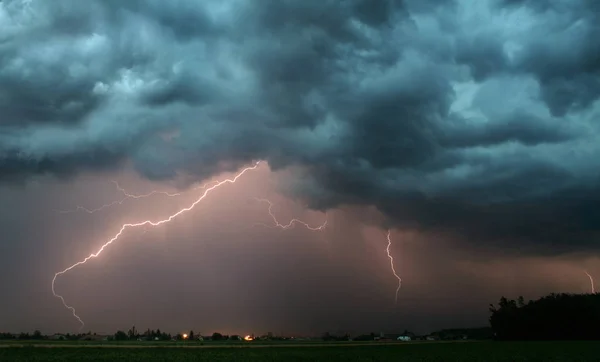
520,127
566,64
473,118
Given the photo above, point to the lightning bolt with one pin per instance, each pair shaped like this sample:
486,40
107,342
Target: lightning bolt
124,227
127,196
118,202
591,281
292,222
389,240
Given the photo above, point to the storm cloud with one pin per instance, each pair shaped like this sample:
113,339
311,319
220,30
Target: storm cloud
477,118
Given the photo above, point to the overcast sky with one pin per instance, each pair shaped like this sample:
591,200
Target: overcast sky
468,128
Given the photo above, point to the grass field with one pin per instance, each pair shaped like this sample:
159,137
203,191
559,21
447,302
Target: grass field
346,352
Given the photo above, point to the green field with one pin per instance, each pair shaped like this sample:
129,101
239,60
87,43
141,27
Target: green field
347,352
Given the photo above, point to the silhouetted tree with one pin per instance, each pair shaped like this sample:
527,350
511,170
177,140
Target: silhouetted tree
330,337
133,333
217,336
554,317
121,336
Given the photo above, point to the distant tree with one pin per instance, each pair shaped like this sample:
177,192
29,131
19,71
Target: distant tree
6,336
217,336
37,334
121,336
191,335
132,333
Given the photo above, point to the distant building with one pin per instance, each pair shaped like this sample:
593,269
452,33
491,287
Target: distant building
404,338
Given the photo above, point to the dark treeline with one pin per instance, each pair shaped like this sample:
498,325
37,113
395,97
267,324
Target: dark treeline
156,335
25,336
554,317
131,335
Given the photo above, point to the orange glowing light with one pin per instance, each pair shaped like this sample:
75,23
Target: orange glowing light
185,336
248,338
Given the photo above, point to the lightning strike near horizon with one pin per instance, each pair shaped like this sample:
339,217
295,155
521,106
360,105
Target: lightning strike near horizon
389,239
292,222
138,224
591,282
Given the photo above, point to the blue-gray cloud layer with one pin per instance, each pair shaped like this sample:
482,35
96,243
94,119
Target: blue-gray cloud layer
476,117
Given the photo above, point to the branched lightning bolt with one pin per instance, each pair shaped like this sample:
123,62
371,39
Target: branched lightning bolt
119,202
132,196
126,196
142,223
591,282
292,222
389,239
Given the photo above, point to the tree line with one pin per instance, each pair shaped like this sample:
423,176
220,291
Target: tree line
24,336
131,335
553,317
156,335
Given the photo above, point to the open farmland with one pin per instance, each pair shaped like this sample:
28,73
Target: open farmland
459,351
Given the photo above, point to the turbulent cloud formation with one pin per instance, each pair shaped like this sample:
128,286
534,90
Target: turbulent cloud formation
473,117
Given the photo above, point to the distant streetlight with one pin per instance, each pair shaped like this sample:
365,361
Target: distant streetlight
185,336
